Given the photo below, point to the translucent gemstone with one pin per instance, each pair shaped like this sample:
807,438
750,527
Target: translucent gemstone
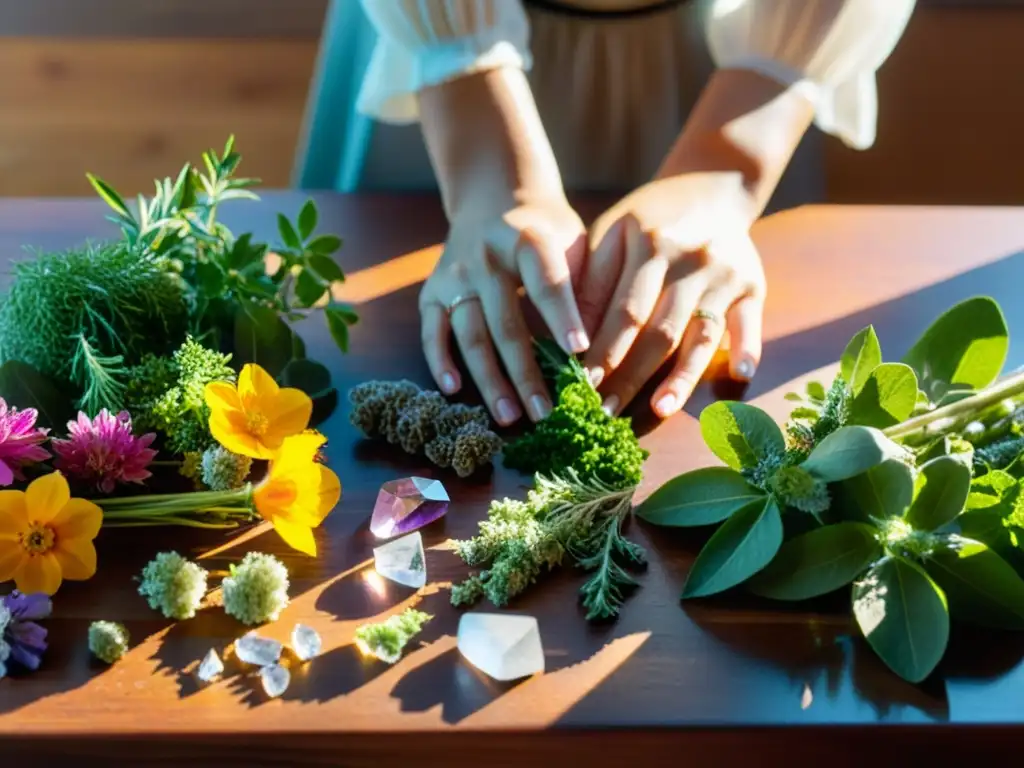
261,651
506,647
275,679
306,642
407,504
210,668
402,561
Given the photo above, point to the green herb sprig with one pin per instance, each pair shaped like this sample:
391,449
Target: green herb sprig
898,481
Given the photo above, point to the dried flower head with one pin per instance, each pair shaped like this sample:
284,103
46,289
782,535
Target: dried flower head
173,585
256,591
20,442
103,451
224,470
108,640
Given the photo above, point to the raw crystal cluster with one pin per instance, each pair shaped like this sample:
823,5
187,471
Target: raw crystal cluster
402,561
265,653
406,504
504,646
423,422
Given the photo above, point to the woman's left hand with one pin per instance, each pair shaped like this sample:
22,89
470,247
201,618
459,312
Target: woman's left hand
671,268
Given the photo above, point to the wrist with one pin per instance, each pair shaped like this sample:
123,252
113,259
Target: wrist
745,126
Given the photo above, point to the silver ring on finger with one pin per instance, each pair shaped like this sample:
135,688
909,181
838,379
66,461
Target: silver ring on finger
459,299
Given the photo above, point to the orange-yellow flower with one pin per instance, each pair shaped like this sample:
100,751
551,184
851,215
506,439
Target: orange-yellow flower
254,418
298,492
46,536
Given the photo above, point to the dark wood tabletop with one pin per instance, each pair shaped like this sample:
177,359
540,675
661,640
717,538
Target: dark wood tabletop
710,682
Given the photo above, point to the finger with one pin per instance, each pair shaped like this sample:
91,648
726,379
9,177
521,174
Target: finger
700,342
544,270
744,322
470,328
657,342
601,275
637,293
508,329
435,336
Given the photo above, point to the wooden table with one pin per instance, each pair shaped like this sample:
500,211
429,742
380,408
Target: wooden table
709,683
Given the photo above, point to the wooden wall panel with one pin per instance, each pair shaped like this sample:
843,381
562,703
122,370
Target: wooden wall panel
951,103
132,110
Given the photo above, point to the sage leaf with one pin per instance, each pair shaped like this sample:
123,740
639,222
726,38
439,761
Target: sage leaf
740,434
308,288
849,451
903,616
742,546
288,234
884,491
818,562
326,267
965,347
338,324
887,396
262,337
702,497
324,245
307,219
23,387
980,586
862,355
816,391
940,492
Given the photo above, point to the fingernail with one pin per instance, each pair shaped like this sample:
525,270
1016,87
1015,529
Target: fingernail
665,405
540,407
596,376
611,404
448,383
578,341
745,369
507,411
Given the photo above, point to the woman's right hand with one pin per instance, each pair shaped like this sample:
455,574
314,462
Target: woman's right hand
473,296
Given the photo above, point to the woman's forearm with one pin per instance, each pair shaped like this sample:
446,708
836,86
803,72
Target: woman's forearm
486,141
745,124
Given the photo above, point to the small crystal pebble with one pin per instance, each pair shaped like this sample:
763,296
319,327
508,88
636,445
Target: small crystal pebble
306,642
261,651
275,679
211,667
504,646
402,561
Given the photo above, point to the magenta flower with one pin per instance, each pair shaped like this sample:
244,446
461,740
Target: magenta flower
19,442
104,451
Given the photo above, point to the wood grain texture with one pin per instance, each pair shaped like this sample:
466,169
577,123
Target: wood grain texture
712,682
134,110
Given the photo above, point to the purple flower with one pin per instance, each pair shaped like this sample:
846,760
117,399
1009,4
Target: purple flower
104,451
19,442
21,639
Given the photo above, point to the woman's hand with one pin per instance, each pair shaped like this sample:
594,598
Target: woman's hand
672,268
473,295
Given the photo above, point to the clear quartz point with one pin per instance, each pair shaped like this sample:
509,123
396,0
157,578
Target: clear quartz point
402,561
306,642
210,668
504,646
275,679
260,651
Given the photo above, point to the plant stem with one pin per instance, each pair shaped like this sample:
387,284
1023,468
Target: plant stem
950,417
193,499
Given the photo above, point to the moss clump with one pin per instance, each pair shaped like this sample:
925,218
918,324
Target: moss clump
121,302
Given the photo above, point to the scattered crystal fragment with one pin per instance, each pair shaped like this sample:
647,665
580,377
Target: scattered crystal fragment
807,698
210,668
306,642
261,651
275,679
406,504
402,561
504,646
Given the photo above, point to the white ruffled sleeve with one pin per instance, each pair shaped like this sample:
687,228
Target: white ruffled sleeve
428,42
828,49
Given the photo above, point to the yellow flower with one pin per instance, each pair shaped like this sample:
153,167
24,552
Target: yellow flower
298,492
46,536
255,418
